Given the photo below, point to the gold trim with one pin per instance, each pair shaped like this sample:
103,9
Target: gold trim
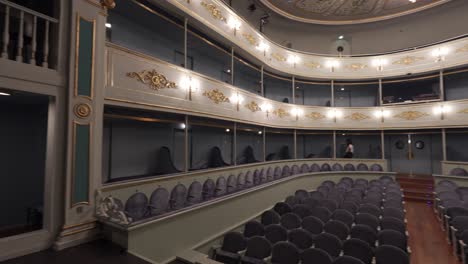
214,10
73,148
278,57
251,39
216,96
312,65
65,227
411,115
153,79
280,112
462,49
463,111
82,110
357,116
356,66
77,46
315,115
253,106
78,231
408,60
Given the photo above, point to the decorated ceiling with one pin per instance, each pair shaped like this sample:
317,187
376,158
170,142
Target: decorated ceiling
341,12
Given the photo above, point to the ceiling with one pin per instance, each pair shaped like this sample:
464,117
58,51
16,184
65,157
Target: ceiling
342,12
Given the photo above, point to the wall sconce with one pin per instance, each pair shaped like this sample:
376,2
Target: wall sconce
266,107
382,114
333,64
236,99
379,63
262,46
297,112
234,24
293,59
190,85
441,110
440,53
334,113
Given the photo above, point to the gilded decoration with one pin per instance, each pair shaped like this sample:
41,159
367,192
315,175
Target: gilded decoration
153,79
253,106
408,60
278,57
214,10
313,65
82,110
463,49
315,115
251,39
109,4
357,116
216,96
356,66
463,111
411,115
280,112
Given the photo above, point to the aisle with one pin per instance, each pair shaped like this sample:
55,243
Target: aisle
427,240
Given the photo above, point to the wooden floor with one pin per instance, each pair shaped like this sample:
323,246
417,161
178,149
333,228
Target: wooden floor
427,240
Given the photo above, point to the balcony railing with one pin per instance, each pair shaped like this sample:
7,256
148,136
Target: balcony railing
26,35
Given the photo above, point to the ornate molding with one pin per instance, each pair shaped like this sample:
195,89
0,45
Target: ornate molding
278,57
463,111
408,60
109,4
214,10
216,96
411,115
111,209
82,110
155,80
253,106
462,49
313,65
357,116
280,112
251,39
356,66
315,115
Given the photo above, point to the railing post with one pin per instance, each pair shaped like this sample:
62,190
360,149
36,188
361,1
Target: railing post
19,51
45,62
34,41
6,32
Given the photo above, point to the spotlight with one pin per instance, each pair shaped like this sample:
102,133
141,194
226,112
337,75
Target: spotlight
260,132
4,94
228,130
341,37
182,125
108,25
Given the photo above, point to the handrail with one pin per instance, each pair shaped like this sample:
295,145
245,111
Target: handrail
29,11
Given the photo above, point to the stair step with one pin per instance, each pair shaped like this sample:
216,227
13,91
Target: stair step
402,180
418,199
416,185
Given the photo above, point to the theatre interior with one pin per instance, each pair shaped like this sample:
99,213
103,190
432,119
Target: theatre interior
234,131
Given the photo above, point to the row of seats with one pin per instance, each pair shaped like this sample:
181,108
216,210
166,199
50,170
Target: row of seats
333,224
139,206
451,206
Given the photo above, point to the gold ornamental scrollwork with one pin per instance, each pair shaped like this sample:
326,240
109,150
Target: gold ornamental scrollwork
278,57
411,115
214,10
356,66
153,79
312,65
253,106
280,112
251,39
82,110
462,49
408,60
463,111
216,96
357,116
315,115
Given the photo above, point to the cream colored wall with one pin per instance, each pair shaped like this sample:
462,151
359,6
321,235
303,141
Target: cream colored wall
448,166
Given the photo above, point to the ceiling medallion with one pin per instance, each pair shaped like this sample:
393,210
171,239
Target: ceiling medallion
155,80
280,112
251,39
411,115
408,60
356,66
357,116
82,110
214,10
463,49
253,106
216,96
315,115
278,57
313,65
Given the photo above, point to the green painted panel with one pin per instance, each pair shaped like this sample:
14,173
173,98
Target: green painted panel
81,164
85,57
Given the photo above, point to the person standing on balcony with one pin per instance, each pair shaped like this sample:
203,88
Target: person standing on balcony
349,152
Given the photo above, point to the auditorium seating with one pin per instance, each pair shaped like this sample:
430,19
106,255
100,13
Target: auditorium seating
162,201
345,222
